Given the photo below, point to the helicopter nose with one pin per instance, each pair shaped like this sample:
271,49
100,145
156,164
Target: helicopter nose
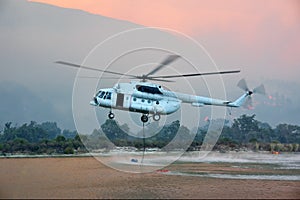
94,102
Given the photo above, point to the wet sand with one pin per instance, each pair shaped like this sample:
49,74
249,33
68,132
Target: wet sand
85,177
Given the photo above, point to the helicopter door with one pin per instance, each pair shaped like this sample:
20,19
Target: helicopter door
120,100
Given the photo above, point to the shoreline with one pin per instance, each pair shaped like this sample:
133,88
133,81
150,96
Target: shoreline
92,154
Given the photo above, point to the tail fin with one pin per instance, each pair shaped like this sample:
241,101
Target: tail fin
243,85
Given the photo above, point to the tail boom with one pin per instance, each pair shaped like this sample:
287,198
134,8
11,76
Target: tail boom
240,101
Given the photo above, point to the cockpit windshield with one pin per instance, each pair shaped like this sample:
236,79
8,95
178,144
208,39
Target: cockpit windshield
100,94
104,95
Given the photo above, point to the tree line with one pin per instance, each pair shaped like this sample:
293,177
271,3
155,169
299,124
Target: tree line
248,133
244,133
33,138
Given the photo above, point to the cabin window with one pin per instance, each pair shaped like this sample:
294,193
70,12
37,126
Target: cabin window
143,100
149,101
148,89
134,99
157,102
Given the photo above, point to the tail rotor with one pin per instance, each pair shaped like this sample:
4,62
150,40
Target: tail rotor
258,90
243,85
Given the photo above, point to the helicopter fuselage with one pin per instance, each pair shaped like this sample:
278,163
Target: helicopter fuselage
142,97
150,98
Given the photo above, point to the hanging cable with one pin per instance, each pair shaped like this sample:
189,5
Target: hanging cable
144,143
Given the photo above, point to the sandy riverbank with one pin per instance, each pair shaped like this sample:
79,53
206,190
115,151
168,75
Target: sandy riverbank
85,177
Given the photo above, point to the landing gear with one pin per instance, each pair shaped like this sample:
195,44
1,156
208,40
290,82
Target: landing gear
111,115
144,118
156,117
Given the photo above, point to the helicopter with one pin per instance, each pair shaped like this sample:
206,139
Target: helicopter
153,100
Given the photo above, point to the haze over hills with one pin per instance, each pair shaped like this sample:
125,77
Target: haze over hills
32,87
24,104
33,37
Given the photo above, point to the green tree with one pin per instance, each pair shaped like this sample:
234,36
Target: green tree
68,150
60,138
287,133
244,128
51,128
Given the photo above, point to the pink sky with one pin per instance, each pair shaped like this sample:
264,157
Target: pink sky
256,25
192,16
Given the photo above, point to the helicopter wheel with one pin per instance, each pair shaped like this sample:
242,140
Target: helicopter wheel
111,115
156,117
144,118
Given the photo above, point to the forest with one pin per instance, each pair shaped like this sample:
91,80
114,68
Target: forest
245,133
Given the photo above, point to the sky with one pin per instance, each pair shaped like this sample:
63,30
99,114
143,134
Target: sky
258,26
259,37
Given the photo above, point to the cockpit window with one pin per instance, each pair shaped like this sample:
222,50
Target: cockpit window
108,96
148,89
98,93
105,95
101,94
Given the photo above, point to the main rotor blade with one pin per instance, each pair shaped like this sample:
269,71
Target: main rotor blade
120,78
157,79
196,74
94,69
168,60
113,78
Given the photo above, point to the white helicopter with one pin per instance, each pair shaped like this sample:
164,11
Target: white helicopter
152,99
